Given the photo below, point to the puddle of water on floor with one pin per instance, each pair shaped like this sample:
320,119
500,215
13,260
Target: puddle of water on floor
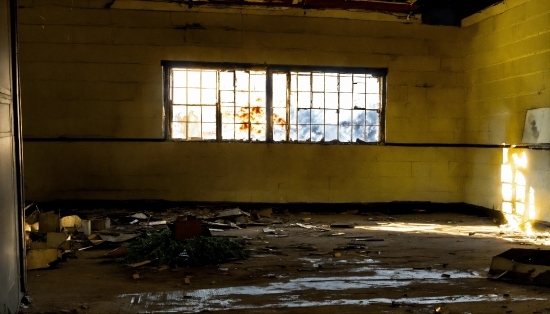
209,300
287,294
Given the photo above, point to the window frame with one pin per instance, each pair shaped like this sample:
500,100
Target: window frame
167,67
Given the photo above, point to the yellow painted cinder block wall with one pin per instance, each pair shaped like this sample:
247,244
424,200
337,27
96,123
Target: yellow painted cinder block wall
507,71
88,72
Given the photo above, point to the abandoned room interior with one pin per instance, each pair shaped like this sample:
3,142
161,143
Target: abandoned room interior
354,156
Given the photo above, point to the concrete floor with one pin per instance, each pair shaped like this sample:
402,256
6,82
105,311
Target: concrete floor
420,263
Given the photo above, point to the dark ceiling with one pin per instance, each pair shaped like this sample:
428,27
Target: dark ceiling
434,12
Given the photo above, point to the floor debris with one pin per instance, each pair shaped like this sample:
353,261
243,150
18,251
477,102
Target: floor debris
526,266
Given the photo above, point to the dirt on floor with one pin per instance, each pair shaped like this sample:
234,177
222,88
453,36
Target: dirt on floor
407,263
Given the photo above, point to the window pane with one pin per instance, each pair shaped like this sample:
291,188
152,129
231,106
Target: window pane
293,134
228,131
179,96
279,116
331,133
227,80
242,114
257,115
373,85
344,133
358,132
178,130
209,97
241,131
179,113
317,133
304,100
304,132
304,83
179,78
331,116
304,116
346,83
194,131
359,101
372,101
318,100
194,78
257,132
331,100
358,117
373,133
209,79
209,114
293,115
228,115
194,114
331,82
318,84
318,116
227,96
294,82
279,91
242,80
345,117
193,96
209,131
372,118
279,133
242,99
257,99
346,101
358,83
257,82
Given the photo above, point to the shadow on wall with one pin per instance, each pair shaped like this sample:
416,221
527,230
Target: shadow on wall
518,196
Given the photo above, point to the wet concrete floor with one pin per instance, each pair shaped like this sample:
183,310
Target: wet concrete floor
431,263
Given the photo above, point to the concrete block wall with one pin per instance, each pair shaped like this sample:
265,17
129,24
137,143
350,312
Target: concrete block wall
507,72
92,72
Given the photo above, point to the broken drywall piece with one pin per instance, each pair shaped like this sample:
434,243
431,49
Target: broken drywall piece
32,221
95,239
101,224
139,216
232,212
48,222
42,258
86,227
58,240
266,212
71,222
522,266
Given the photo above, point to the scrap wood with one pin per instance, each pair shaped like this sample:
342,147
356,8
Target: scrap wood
120,251
311,227
140,263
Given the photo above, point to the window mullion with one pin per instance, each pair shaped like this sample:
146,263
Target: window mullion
218,108
288,90
269,106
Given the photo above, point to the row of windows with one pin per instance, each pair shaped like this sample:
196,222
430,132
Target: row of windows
209,103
